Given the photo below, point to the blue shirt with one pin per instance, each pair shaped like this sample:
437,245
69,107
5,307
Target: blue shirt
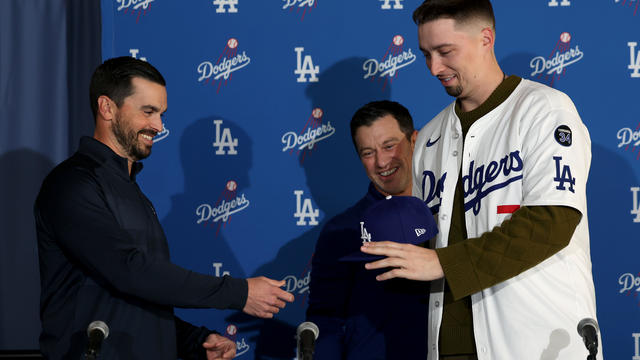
358,316
103,256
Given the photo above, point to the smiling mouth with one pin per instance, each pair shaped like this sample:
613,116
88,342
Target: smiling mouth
446,79
388,172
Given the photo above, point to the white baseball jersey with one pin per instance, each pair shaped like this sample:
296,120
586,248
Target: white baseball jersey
532,149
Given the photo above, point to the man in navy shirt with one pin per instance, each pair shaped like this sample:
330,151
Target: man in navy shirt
103,253
358,317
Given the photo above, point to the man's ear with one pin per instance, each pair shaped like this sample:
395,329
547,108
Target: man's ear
488,37
414,136
106,108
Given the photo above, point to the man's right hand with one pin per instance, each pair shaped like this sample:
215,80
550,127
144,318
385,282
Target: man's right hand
265,297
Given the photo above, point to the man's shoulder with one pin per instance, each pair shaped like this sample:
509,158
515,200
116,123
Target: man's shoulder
76,170
540,95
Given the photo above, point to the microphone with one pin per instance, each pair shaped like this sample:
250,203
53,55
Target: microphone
97,331
307,334
588,329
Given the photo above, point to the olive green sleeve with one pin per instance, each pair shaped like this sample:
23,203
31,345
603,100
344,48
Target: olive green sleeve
530,236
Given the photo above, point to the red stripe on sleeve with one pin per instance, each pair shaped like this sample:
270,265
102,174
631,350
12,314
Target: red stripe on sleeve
507,209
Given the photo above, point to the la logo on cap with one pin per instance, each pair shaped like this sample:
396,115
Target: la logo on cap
364,235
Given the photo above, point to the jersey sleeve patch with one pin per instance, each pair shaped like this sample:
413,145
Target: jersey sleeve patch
563,135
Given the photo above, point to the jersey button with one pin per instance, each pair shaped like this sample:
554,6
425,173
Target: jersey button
456,135
437,303
455,152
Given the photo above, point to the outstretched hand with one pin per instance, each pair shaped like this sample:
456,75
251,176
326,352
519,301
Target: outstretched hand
408,261
219,347
266,298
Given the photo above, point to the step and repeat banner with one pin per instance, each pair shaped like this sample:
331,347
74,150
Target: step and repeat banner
256,153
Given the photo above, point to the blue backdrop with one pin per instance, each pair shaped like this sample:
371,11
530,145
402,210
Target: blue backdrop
256,154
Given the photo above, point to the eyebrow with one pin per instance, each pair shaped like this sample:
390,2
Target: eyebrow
436,47
152,108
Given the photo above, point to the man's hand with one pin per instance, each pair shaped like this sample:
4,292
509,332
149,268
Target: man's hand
219,347
409,261
265,297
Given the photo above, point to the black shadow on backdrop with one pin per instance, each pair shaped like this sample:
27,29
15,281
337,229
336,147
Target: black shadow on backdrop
205,179
335,179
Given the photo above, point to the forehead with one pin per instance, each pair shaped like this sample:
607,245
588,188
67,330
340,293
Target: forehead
147,92
382,129
444,31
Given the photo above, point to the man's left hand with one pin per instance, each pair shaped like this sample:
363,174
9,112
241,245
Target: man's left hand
219,347
408,261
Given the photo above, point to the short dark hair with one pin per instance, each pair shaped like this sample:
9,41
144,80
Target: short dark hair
459,10
369,113
113,79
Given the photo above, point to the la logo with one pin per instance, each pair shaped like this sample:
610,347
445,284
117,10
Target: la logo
224,140
364,235
222,3
563,176
554,3
134,54
634,59
305,210
305,67
635,210
396,4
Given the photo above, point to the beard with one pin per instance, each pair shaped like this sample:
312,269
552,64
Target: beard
454,91
128,140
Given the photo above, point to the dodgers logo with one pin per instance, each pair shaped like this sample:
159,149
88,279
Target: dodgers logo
629,284
300,4
228,204
136,8
435,189
394,59
631,4
313,132
630,139
555,65
300,285
162,134
241,345
481,181
227,63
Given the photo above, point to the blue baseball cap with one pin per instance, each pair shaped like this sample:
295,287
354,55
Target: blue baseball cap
403,219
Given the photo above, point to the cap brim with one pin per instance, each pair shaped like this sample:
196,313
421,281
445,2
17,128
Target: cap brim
360,256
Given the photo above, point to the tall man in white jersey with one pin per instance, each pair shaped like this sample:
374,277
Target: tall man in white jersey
504,169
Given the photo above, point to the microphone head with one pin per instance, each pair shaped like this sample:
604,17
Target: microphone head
100,326
587,322
308,325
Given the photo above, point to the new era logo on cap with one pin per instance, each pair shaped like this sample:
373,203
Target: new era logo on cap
403,219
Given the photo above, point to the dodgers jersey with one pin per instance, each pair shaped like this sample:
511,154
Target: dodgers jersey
530,150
